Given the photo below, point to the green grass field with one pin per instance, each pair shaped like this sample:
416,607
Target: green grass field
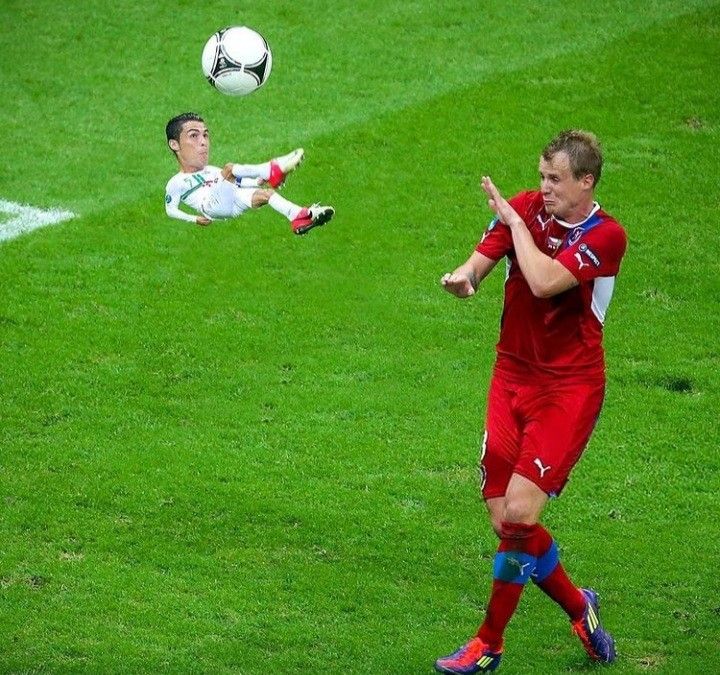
232,450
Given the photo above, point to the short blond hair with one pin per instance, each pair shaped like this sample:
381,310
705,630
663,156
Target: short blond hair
583,150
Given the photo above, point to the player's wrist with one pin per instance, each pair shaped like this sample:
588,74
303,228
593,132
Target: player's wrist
515,222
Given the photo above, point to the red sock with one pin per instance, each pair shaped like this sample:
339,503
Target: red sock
550,576
558,587
515,560
504,599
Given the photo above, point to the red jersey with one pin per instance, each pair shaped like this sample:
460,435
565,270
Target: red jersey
561,335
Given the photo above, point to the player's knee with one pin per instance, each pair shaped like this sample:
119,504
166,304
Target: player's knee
227,172
261,197
519,510
496,526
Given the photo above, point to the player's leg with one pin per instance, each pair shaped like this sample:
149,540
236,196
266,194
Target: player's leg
498,453
260,198
227,200
220,201
273,172
252,197
278,203
563,417
515,560
302,218
257,171
522,542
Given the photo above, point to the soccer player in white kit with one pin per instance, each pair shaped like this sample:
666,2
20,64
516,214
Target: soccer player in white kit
216,193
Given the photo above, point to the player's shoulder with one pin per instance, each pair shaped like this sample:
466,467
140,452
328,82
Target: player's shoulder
175,182
610,226
607,233
609,220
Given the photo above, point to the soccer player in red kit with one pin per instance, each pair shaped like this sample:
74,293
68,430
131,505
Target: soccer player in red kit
562,254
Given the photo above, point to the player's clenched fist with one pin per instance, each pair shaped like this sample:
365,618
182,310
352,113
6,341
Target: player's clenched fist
457,284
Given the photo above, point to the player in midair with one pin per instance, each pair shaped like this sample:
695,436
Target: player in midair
563,253
216,193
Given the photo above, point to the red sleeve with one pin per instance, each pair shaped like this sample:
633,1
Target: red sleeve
597,253
497,241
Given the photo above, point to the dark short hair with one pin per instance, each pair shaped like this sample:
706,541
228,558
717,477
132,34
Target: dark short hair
583,150
175,125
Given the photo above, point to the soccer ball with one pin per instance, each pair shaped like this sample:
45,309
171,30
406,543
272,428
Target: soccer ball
236,60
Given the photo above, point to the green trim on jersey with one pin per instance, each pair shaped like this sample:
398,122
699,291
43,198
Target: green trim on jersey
200,183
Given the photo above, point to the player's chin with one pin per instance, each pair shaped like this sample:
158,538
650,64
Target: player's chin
554,209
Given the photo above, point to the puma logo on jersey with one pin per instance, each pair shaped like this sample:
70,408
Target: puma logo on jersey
543,223
543,469
581,263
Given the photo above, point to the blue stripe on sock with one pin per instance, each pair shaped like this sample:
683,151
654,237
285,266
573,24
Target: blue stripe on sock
546,563
513,566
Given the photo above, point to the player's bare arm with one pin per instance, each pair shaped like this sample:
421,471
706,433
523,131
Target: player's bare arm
463,282
545,276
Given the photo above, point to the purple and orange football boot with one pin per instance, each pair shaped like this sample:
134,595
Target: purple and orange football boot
474,657
598,643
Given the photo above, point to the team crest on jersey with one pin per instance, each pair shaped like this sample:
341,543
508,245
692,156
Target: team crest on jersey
575,235
589,253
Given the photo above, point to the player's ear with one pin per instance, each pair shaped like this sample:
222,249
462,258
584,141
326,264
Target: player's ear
174,145
588,181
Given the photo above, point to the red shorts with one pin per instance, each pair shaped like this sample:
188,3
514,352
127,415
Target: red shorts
536,430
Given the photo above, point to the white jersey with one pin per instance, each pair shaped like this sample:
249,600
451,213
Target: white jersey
191,189
207,193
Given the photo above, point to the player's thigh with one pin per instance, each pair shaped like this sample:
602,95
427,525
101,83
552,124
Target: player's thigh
501,441
250,198
560,421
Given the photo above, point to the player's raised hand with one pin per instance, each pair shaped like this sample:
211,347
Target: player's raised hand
457,284
498,203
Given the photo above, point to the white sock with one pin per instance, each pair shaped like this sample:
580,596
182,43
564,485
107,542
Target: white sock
252,170
282,205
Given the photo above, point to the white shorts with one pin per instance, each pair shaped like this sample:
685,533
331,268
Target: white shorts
227,200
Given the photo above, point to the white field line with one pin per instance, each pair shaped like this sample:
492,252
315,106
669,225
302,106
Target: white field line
24,219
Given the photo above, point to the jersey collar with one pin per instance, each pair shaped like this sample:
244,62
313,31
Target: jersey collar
572,226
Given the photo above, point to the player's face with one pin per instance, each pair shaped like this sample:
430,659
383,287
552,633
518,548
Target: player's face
564,196
194,146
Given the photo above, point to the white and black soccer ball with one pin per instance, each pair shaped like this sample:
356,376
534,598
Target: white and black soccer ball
236,60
